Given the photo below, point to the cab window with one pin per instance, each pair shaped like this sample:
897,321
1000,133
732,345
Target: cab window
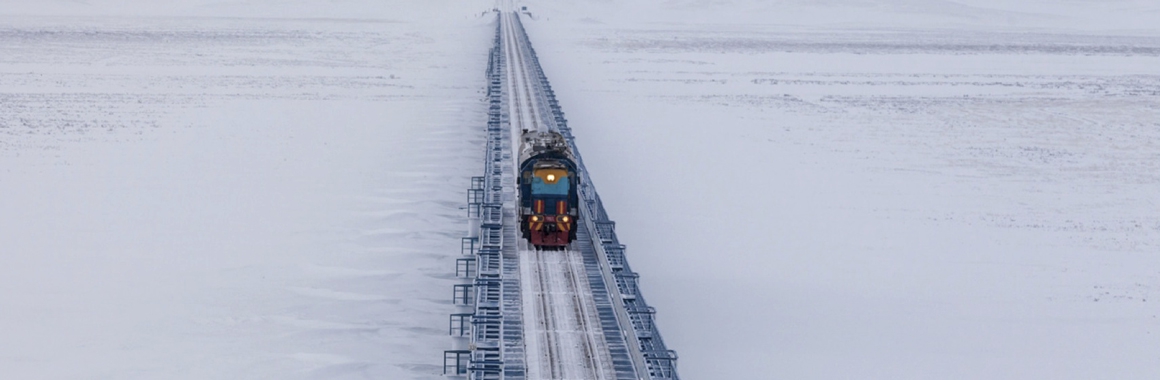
550,182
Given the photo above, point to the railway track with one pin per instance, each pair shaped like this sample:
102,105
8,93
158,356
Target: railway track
524,100
562,335
531,314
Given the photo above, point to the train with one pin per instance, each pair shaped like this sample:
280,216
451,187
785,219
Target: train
548,186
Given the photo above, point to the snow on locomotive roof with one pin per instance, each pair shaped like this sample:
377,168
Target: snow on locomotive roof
533,143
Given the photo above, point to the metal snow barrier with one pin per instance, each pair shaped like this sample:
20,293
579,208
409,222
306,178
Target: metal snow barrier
490,344
626,282
605,229
662,364
455,362
465,268
487,328
460,324
467,245
615,254
462,295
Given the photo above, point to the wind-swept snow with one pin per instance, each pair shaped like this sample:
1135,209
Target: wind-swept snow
275,194
931,190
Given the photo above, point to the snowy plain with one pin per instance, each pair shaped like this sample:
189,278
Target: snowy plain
878,189
866,189
234,190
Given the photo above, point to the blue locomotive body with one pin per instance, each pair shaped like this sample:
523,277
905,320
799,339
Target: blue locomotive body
548,186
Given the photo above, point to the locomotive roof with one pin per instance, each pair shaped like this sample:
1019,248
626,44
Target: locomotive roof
535,143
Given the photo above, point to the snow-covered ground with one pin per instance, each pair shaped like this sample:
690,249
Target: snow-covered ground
262,189
884,189
878,189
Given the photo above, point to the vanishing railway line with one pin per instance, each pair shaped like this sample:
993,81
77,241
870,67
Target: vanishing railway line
527,313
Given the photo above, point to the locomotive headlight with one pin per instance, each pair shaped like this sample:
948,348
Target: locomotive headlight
535,218
551,178
564,219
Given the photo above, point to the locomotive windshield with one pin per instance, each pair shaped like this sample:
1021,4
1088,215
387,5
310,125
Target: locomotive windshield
550,182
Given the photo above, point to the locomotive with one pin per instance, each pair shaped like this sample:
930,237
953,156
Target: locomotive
548,190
